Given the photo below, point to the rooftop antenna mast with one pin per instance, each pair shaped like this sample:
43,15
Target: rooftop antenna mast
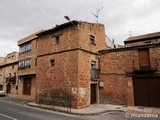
130,33
97,13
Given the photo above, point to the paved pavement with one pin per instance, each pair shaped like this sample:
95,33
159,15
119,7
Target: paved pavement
94,109
100,108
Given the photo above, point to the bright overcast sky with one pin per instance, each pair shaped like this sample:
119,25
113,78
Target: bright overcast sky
19,18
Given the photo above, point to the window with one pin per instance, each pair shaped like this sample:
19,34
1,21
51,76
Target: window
14,74
0,76
57,39
24,64
92,40
12,66
52,63
9,74
1,87
144,58
25,48
13,57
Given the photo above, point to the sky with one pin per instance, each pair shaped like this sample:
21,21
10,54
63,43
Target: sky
122,18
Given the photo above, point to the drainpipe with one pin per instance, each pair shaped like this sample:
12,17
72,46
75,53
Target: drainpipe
17,83
98,95
99,65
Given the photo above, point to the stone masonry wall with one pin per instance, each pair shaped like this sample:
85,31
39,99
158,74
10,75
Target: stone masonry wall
116,73
71,73
62,77
114,68
84,77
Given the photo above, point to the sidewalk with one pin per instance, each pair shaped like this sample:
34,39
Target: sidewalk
25,97
96,109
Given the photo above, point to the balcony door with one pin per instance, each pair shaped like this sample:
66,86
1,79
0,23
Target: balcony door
144,59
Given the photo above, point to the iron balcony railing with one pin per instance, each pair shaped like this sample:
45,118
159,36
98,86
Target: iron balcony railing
94,74
153,66
11,79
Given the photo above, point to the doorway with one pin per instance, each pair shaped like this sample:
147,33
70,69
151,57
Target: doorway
27,86
8,88
146,92
93,93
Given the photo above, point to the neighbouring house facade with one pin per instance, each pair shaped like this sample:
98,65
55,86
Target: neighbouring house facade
131,75
9,79
143,39
2,61
27,65
68,62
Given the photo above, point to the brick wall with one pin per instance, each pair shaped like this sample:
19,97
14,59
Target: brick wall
62,77
84,77
142,42
117,67
114,68
71,73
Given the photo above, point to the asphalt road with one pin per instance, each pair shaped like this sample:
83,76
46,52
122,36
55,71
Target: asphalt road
14,110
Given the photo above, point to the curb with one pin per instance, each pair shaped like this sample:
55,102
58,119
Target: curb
73,113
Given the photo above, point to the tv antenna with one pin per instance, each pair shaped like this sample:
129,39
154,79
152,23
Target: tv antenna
130,33
97,13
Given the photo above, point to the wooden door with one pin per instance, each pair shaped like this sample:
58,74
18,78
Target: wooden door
144,60
146,91
93,93
141,95
154,91
27,86
8,88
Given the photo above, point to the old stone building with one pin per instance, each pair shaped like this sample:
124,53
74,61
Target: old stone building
131,75
143,39
27,66
8,73
2,61
68,62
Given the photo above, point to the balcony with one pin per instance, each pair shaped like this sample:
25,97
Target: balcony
24,68
11,79
95,74
152,67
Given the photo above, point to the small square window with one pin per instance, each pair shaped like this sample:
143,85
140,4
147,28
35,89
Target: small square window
92,40
52,62
57,39
9,74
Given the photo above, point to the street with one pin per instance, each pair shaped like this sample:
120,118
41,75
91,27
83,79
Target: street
16,110
12,109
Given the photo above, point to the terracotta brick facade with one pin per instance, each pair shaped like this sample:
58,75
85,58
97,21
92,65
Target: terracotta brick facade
72,60
9,73
27,66
119,67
